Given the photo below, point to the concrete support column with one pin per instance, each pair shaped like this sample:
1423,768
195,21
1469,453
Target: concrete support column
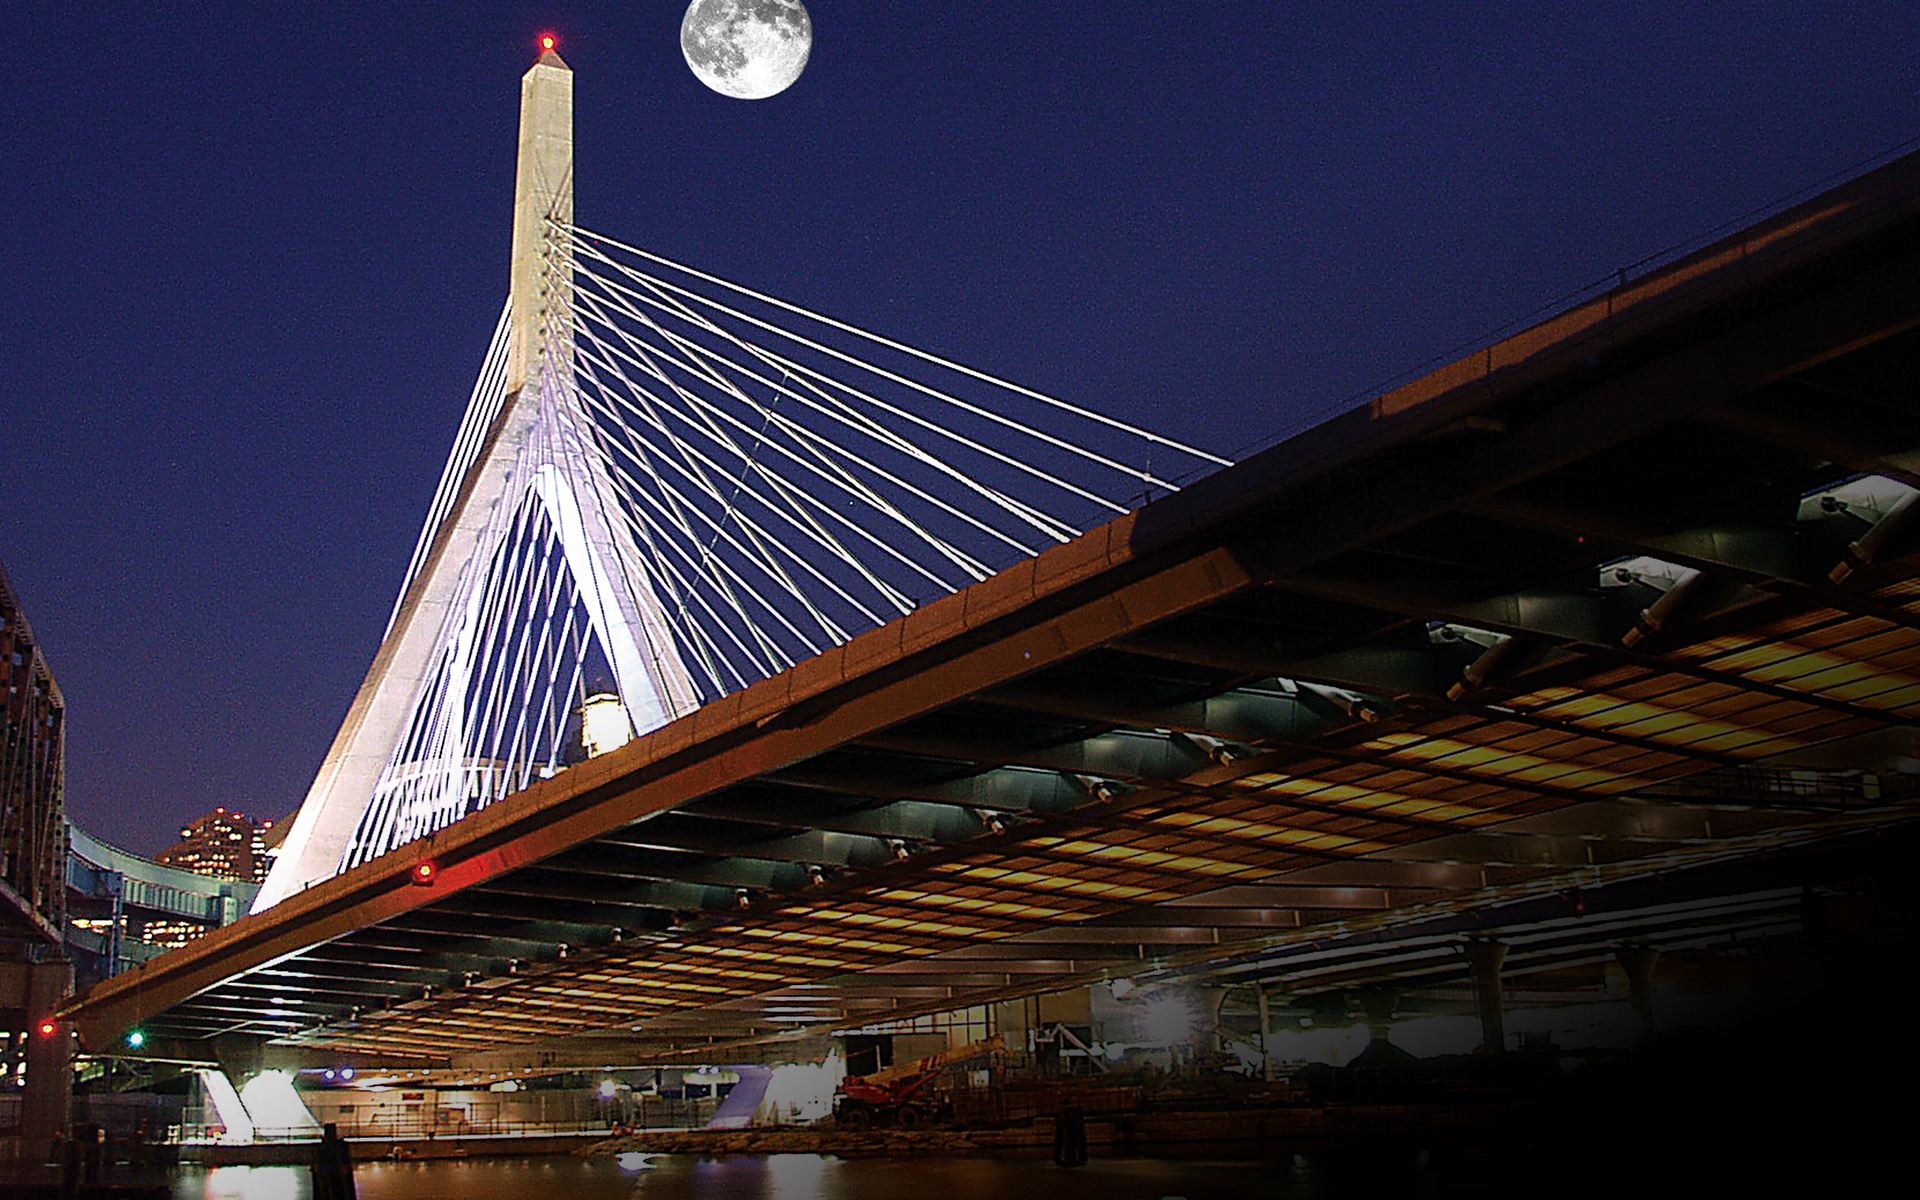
241,1056
1638,962
1379,1005
1486,957
1207,1039
45,1100
1266,1033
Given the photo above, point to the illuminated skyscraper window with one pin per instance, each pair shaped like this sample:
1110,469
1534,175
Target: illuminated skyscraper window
224,843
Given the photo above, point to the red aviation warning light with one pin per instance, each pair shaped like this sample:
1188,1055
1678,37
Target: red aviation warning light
422,874
547,41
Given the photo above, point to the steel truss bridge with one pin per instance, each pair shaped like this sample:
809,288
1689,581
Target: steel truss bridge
1609,631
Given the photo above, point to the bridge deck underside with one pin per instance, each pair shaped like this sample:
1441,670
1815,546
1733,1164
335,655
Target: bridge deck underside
1418,661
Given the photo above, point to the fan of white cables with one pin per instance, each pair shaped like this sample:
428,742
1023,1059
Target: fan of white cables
794,480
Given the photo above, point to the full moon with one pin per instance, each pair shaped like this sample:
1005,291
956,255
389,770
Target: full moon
748,49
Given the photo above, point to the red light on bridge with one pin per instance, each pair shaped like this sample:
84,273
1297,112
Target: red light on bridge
49,1028
423,873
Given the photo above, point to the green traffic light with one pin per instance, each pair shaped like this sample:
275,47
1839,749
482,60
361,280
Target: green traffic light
136,1039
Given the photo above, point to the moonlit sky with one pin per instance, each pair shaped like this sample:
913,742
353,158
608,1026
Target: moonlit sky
253,253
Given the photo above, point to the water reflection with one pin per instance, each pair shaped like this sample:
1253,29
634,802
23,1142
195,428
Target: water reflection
247,1183
776,1177
798,1176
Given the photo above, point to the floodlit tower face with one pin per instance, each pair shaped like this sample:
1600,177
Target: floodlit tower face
542,294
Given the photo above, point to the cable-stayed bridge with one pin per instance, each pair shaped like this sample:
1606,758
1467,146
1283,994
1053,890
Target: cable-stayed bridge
661,489
1613,618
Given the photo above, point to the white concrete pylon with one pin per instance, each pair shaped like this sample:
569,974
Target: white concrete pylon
539,441
235,1122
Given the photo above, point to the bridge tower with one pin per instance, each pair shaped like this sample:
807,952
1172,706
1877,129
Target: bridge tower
368,795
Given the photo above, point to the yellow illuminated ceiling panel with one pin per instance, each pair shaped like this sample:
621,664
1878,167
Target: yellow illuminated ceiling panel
589,1003
1294,838
1798,622
1862,660
1106,890
1638,713
1681,729
1136,857
1865,639
670,970
971,904
1487,760
837,940
1373,801
766,956
906,924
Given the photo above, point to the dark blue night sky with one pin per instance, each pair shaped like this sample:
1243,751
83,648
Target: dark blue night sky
254,251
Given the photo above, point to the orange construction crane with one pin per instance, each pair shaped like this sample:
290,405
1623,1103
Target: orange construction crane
904,1094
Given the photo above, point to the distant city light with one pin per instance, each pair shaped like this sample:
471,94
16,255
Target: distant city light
608,1089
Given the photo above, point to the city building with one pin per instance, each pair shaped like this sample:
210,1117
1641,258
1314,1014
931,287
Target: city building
34,974
32,770
224,843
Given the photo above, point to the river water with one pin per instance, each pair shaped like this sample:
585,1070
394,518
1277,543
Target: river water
820,1177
